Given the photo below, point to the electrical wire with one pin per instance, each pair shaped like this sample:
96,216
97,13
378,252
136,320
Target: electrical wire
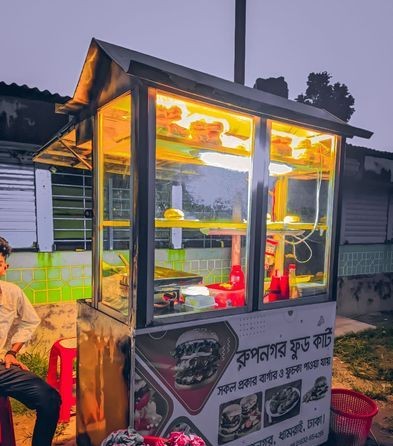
294,251
300,240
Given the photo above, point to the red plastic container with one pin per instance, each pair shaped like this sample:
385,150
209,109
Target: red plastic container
227,297
236,276
154,441
351,415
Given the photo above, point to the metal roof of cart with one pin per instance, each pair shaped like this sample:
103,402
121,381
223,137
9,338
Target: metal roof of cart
185,79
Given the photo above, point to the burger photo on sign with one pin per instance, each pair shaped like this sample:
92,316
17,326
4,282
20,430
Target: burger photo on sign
251,414
240,417
231,418
197,355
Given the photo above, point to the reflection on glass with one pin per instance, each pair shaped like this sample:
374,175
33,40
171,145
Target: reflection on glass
301,176
114,167
203,166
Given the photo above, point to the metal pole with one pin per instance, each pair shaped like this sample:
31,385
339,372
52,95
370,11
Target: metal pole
240,41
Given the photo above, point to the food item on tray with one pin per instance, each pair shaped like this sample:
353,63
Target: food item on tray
280,146
197,355
204,132
283,401
173,214
165,117
251,415
318,391
231,418
164,114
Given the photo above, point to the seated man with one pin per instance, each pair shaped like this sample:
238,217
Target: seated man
15,379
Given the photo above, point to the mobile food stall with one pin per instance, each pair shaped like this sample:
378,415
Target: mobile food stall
214,254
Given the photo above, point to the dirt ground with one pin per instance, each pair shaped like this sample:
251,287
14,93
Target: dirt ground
24,424
382,427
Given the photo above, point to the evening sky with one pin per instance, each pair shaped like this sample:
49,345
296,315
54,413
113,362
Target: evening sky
43,44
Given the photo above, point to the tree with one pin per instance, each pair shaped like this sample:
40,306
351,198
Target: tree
275,85
335,98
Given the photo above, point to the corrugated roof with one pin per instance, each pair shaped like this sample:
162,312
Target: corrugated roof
24,91
353,149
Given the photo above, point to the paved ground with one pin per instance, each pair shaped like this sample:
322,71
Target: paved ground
382,319
345,325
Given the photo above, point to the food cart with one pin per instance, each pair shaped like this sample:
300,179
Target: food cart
215,232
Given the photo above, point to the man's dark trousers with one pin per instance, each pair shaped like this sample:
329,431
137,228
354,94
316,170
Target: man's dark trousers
36,394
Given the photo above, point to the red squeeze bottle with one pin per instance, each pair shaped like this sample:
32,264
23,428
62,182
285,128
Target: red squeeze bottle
275,288
236,277
284,286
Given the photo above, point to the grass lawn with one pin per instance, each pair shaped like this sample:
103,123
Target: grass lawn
369,356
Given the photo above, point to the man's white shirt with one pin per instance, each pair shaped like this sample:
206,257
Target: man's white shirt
15,308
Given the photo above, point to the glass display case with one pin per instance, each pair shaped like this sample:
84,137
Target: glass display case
215,226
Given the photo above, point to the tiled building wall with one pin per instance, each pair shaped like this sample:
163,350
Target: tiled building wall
51,277
66,276
357,260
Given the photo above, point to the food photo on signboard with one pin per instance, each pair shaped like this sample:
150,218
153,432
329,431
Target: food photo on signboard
189,361
239,417
152,406
318,391
197,355
282,403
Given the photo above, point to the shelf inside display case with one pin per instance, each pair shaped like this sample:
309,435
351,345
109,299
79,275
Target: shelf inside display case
170,146
223,227
199,224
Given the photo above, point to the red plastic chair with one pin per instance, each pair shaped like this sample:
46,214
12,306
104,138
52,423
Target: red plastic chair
64,381
7,434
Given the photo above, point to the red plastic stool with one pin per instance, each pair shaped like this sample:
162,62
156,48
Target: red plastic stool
65,350
7,434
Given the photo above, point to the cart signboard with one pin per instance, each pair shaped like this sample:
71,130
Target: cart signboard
248,380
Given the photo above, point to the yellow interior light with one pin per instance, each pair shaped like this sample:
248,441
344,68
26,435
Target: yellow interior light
279,169
223,160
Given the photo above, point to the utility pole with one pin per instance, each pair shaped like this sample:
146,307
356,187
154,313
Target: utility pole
240,41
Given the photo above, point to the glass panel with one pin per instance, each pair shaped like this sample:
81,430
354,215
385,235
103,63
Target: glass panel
114,159
203,169
301,177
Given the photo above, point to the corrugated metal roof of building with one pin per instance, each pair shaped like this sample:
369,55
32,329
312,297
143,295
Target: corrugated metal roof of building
24,91
353,149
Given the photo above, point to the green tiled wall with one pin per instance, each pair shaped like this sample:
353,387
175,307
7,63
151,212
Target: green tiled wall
66,276
365,259
51,277
213,264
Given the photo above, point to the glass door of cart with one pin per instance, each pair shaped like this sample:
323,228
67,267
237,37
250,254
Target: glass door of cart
299,214
203,165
